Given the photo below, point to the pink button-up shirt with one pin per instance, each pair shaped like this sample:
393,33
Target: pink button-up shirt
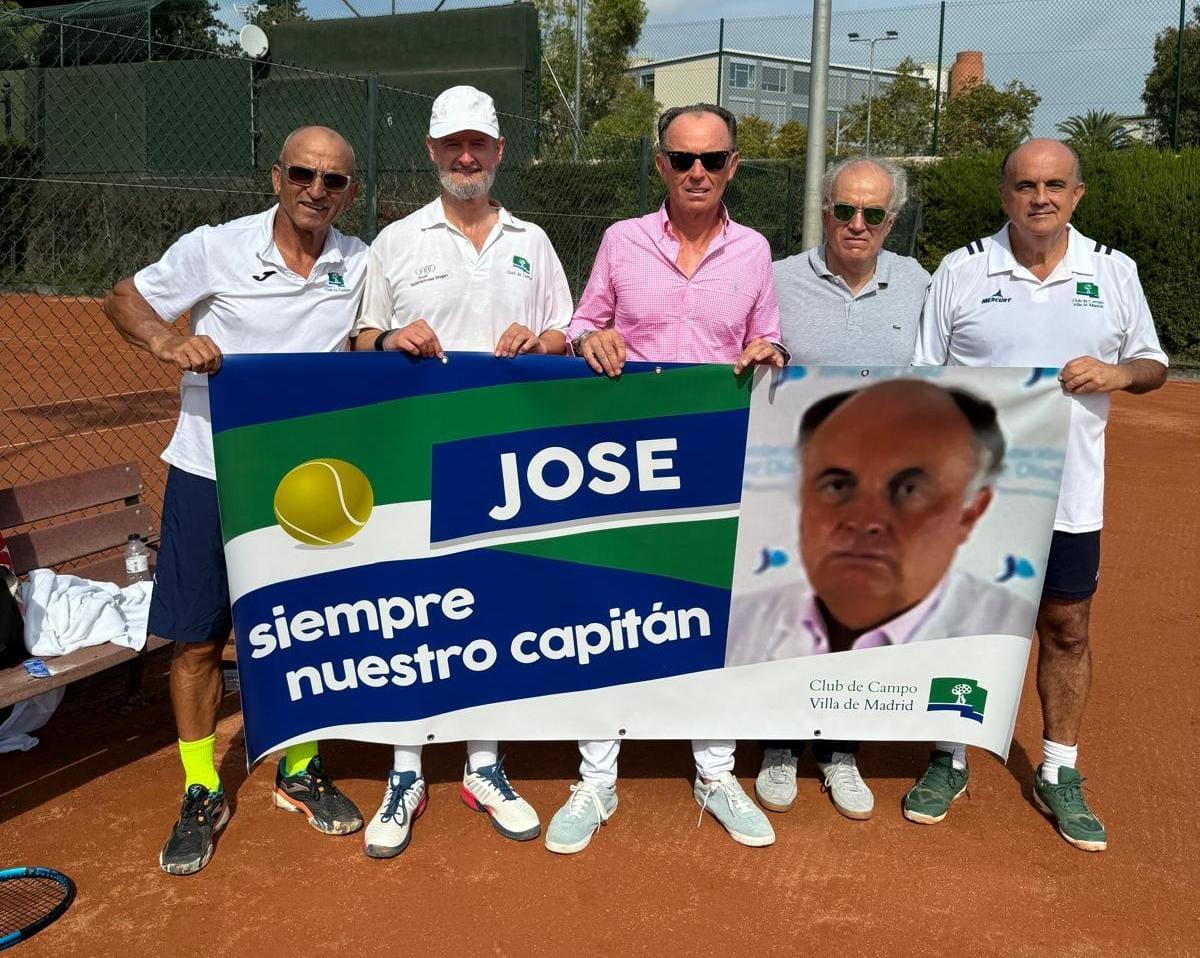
899,631
665,316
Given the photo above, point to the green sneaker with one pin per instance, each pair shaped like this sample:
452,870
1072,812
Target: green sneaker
1065,803
928,801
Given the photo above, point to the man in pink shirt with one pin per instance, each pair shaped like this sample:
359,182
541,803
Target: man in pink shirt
685,284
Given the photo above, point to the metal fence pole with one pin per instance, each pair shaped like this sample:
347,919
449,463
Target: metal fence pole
720,58
937,96
644,177
1178,80
372,220
578,78
789,212
814,164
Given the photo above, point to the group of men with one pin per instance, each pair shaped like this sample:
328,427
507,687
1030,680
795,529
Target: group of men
685,283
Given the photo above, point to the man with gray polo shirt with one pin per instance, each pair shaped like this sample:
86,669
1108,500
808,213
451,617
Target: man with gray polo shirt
845,302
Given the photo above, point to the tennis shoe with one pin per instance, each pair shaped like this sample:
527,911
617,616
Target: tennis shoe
572,827
939,786
389,832
775,786
724,799
313,795
851,795
192,840
488,790
1064,802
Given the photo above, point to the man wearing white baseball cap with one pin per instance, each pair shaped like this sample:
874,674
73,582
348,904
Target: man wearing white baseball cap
461,273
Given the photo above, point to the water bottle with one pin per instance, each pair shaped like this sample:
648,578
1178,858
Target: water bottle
137,560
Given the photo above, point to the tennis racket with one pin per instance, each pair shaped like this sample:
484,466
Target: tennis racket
30,899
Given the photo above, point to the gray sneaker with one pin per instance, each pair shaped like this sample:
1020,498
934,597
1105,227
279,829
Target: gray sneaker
729,805
775,786
846,787
573,825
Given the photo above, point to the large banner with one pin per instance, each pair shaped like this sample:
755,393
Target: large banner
484,548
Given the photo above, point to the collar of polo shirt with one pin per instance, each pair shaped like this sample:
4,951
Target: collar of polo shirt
1002,260
269,252
883,265
664,220
435,215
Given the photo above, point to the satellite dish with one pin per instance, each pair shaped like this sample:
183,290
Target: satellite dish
252,40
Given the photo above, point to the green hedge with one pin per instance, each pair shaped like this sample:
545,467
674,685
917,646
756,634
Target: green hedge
16,160
1140,201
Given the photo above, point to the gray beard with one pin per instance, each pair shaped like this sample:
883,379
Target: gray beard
478,187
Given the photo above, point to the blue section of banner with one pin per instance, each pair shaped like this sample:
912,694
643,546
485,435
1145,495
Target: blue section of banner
964,710
422,671
322,382
542,476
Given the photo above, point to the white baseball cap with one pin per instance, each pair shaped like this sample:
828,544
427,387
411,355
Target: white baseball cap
463,108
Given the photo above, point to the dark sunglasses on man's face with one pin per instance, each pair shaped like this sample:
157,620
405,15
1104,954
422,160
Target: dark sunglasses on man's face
305,176
682,162
872,215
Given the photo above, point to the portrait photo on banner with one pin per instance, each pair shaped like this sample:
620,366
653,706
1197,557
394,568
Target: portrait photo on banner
886,507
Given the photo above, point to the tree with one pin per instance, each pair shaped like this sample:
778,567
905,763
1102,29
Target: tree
755,138
982,118
632,114
901,114
20,38
611,29
791,141
270,13
1095,130
1159,93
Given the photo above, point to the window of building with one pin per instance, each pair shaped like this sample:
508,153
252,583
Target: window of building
648,82
774,79
801,82
741,75
837,88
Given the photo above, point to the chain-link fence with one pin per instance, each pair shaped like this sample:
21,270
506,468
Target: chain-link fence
110,157
935,78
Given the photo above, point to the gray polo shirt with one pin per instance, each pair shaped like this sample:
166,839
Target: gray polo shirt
824,324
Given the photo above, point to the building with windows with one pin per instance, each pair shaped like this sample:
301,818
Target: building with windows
758,84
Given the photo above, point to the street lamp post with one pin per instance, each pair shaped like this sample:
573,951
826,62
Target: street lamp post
855,38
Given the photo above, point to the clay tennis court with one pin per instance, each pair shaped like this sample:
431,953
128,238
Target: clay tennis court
96,798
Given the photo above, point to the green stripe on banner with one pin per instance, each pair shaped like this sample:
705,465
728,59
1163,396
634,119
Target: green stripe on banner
392,441
699,552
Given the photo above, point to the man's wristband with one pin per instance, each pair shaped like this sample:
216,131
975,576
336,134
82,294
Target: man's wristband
783,351
381,337
578,341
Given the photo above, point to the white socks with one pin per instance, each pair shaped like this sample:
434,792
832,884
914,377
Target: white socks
1055,756
407,758
958,752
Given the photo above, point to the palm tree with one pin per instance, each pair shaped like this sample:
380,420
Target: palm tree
1095,130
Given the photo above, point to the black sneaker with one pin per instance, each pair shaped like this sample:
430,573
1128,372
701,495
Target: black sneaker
190,844
313,794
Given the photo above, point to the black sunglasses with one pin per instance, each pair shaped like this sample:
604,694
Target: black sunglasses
682,162
305,176
872,215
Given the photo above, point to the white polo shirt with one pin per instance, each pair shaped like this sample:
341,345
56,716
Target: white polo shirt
421,267
242,295
984,308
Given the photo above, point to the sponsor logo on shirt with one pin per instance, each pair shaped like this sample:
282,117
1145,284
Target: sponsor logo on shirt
336,283
996,297
1087,294
426,274
520,267
263,275
521,263
964,696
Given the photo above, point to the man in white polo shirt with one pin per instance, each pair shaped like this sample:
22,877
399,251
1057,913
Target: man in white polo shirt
1040,294
461,273
279,281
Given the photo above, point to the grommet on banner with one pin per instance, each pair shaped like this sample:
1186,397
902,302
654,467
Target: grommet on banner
657,370
429,738
620,731
816,733
865,372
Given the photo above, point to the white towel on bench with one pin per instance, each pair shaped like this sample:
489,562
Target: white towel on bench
64,613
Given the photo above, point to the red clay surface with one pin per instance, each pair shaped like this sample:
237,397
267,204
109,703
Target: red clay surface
97,796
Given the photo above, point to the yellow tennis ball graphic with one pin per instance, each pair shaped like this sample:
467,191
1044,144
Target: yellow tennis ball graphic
323,501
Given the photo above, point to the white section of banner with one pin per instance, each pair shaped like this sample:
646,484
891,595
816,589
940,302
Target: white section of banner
878,694
401,531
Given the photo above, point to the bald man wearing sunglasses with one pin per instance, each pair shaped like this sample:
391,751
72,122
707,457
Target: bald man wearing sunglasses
283,280
847,302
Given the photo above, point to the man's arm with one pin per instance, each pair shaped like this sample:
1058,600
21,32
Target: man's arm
378,317
1086,374
137,322
590,332
932,346
762,343
550,312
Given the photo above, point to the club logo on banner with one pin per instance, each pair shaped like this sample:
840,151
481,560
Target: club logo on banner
421,551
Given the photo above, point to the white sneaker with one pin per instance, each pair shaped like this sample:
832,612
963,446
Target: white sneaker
775,786
724,799
488,790
846,787
573,825
389,831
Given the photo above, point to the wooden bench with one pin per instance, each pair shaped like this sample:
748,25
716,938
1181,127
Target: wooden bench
49,545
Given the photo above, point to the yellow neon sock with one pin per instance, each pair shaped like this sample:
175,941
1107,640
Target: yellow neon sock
296,758
199,767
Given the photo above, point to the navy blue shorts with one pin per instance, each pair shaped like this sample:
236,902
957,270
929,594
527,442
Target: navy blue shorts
190,601
1073,565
